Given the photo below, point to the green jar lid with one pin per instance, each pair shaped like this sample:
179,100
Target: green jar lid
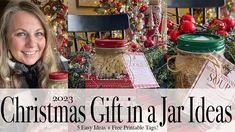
200,43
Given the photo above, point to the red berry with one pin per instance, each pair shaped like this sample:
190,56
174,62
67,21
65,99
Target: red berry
173,34
187,18
142,38
230,22
187,27
216,25
134,47
143,8
80,59
86,47
148,43
222,33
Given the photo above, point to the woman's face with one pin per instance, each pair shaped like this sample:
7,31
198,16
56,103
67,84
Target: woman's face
26,37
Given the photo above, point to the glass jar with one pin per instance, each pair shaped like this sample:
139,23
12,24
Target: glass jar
58,80
193,50
107,62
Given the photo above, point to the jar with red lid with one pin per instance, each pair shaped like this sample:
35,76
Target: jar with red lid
107,62
58,79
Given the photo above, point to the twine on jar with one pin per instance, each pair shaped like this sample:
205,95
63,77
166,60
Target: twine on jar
188,67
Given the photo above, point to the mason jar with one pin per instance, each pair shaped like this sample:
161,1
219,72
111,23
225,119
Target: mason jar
58,79
193,50
107,62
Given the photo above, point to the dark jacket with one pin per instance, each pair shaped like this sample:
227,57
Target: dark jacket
29,74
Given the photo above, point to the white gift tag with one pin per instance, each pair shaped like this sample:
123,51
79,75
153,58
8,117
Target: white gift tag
139,71
212,76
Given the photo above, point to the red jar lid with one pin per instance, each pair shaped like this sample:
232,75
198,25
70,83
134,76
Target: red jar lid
110,43
63,75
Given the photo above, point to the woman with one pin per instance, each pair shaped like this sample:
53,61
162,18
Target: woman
27,47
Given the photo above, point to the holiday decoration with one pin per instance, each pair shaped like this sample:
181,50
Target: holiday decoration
78,68
154,34
134,47
145,18
229,22
187,27
229,8
216,25
56,12
86,47
198,15
173,34
187,18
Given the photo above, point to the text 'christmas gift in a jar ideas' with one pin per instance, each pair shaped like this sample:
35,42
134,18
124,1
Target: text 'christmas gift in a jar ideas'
193,51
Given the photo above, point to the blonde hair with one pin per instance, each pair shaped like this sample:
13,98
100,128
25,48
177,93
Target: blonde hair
9,78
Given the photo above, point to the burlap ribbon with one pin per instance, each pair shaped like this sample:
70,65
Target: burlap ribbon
188,66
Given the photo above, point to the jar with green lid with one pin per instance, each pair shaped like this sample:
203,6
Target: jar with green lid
107,62
58,80
193,50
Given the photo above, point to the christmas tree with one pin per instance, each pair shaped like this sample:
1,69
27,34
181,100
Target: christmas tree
56,13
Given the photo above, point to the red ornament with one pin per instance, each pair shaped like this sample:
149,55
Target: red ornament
142,38
187,27
173,34
86,47
187,18
143,8
229,22
134,47
65,41
148,43
80,60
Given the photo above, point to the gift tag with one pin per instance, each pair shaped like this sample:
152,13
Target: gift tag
212,76
139,70
213,89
